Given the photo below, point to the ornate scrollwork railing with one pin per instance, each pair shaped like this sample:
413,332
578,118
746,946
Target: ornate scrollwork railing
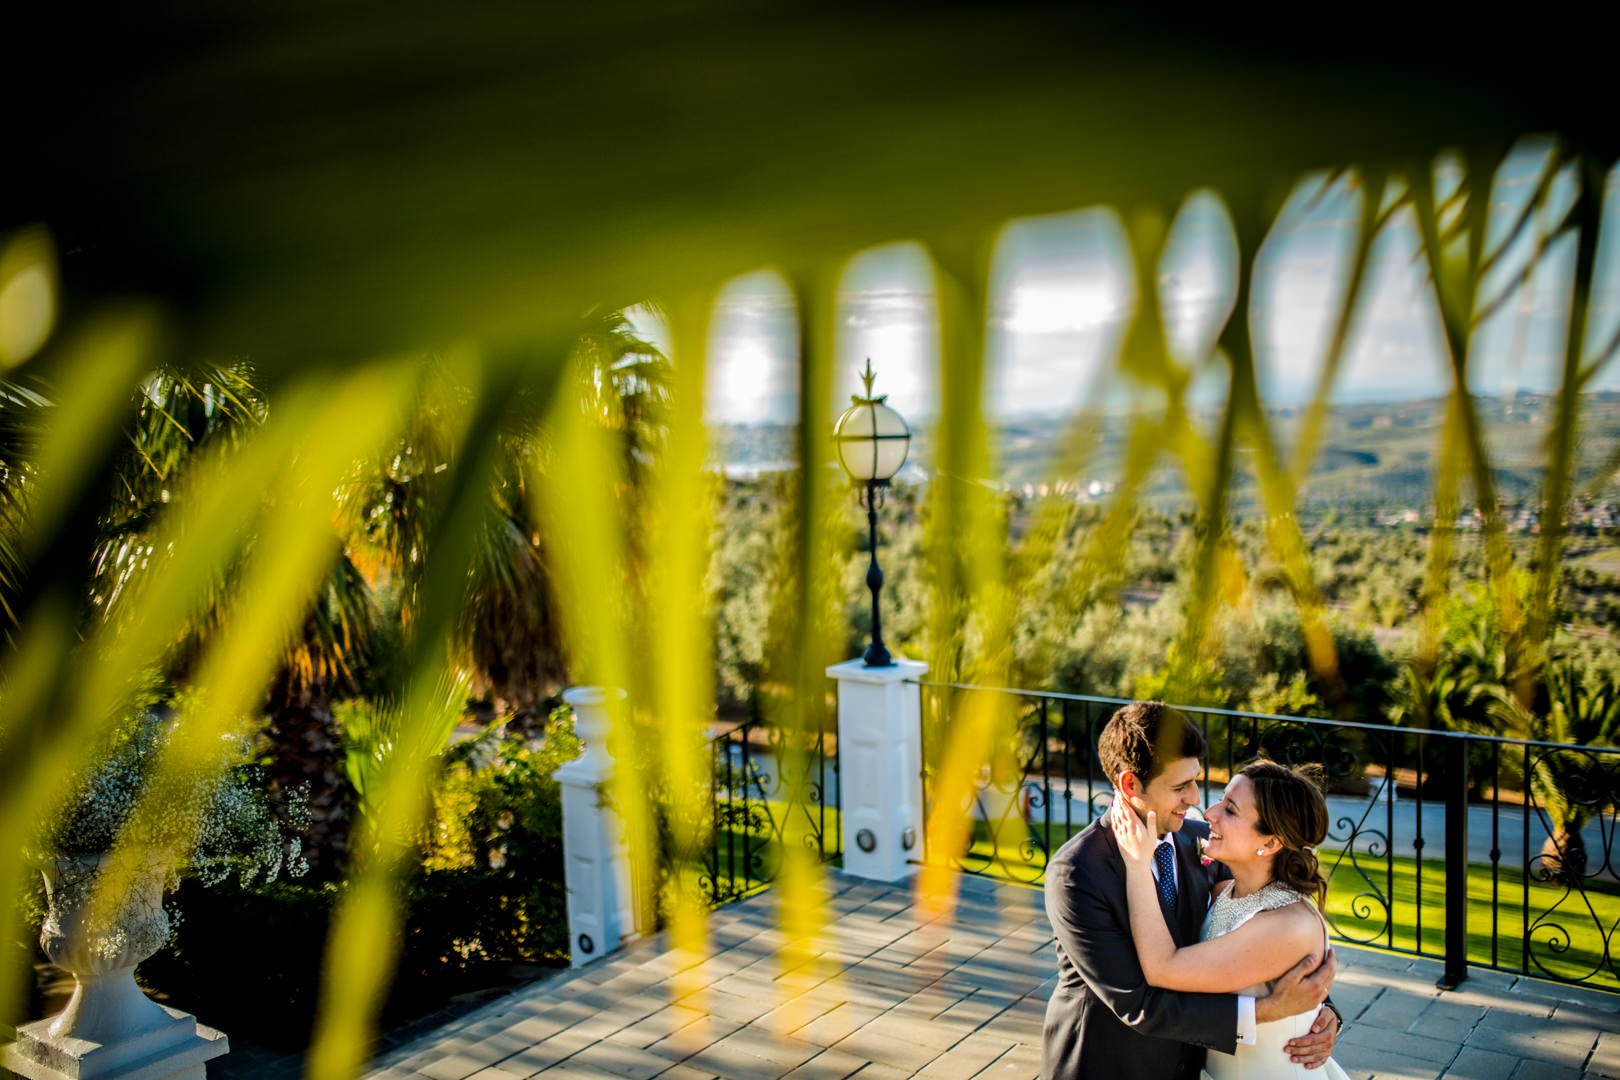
1470,849
770,788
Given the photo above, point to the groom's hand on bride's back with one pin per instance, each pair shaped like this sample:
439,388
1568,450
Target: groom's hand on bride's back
1303,989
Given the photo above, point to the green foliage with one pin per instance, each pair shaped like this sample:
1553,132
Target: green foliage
1270,694
374,735
1185,680
493,860
488,892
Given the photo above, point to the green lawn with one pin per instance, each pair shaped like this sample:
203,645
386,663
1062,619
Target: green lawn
1568,927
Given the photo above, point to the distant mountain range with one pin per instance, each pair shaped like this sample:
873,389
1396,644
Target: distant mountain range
1373,455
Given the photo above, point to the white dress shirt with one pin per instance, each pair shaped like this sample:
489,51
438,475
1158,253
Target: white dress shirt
1248,1029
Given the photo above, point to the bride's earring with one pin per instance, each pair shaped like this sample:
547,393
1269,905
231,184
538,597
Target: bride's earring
1260,851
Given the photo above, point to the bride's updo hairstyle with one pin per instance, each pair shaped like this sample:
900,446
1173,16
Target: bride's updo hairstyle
1291,808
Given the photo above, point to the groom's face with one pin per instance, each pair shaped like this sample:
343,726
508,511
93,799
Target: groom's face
1170,794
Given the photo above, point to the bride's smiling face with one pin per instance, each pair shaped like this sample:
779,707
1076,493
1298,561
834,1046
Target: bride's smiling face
1234,832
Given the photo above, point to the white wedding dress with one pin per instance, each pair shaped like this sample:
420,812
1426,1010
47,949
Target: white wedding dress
1265,1059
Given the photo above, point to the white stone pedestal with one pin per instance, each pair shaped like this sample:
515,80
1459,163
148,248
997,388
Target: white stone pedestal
880,767
173,1048
109,1029
597,859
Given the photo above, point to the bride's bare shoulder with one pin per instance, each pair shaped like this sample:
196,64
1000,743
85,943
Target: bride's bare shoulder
1297,920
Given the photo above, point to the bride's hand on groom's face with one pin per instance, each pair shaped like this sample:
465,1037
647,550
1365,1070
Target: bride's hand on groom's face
1136,839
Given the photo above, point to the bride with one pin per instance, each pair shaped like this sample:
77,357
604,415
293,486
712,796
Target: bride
1260,924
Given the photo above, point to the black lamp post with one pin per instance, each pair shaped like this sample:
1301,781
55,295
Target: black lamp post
872,441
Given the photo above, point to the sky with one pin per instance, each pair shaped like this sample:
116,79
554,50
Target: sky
1062,291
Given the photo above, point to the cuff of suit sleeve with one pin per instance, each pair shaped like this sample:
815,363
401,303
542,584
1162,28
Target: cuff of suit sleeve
1248,1030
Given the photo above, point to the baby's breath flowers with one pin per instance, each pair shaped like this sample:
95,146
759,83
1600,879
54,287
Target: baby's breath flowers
210,821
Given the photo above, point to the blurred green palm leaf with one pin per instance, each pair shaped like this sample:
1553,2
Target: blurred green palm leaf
316,186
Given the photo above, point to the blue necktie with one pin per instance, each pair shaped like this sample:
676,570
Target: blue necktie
1163,861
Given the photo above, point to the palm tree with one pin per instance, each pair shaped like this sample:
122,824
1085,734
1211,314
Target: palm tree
1571,785
20,408
181,415
508,640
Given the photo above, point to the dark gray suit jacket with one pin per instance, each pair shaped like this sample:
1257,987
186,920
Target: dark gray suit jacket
1104,1020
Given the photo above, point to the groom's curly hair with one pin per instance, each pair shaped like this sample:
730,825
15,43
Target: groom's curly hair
1144,737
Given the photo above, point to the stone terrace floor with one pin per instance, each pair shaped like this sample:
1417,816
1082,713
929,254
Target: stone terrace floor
890,996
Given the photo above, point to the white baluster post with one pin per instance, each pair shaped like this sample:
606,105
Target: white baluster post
880,767
597,859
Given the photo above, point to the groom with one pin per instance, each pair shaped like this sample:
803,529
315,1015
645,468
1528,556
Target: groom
1103,1019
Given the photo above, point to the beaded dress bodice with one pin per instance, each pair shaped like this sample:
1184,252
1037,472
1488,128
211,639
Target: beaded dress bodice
1265,1058
1227,914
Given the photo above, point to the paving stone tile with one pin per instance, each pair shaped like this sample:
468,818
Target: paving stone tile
889,976
1541,1070
929,1033
837,1024
1019,1063
746,985
682,1044
1598,1018
1394,1009
499,1072
804,978
977,1009
575,1070
967,1058
876,1070
928,1003
1445,1020
781,1050
737,1064
740,1010
620,1060
535,1028
887,1049
1369,1062
645,1032
452,1067
859,992
1372,958
828,1065
1516,1016
1486,979
687,1072
1415,1047
546,1054
1475,1064
1604,1061
1574,995
1552,1045
798,1011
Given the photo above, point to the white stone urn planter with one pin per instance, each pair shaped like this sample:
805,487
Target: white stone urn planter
109,1027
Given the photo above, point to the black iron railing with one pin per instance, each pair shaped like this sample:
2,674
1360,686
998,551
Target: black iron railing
1469,849
770,788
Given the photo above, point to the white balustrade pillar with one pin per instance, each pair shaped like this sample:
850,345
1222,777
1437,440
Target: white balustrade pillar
880,767
601,913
